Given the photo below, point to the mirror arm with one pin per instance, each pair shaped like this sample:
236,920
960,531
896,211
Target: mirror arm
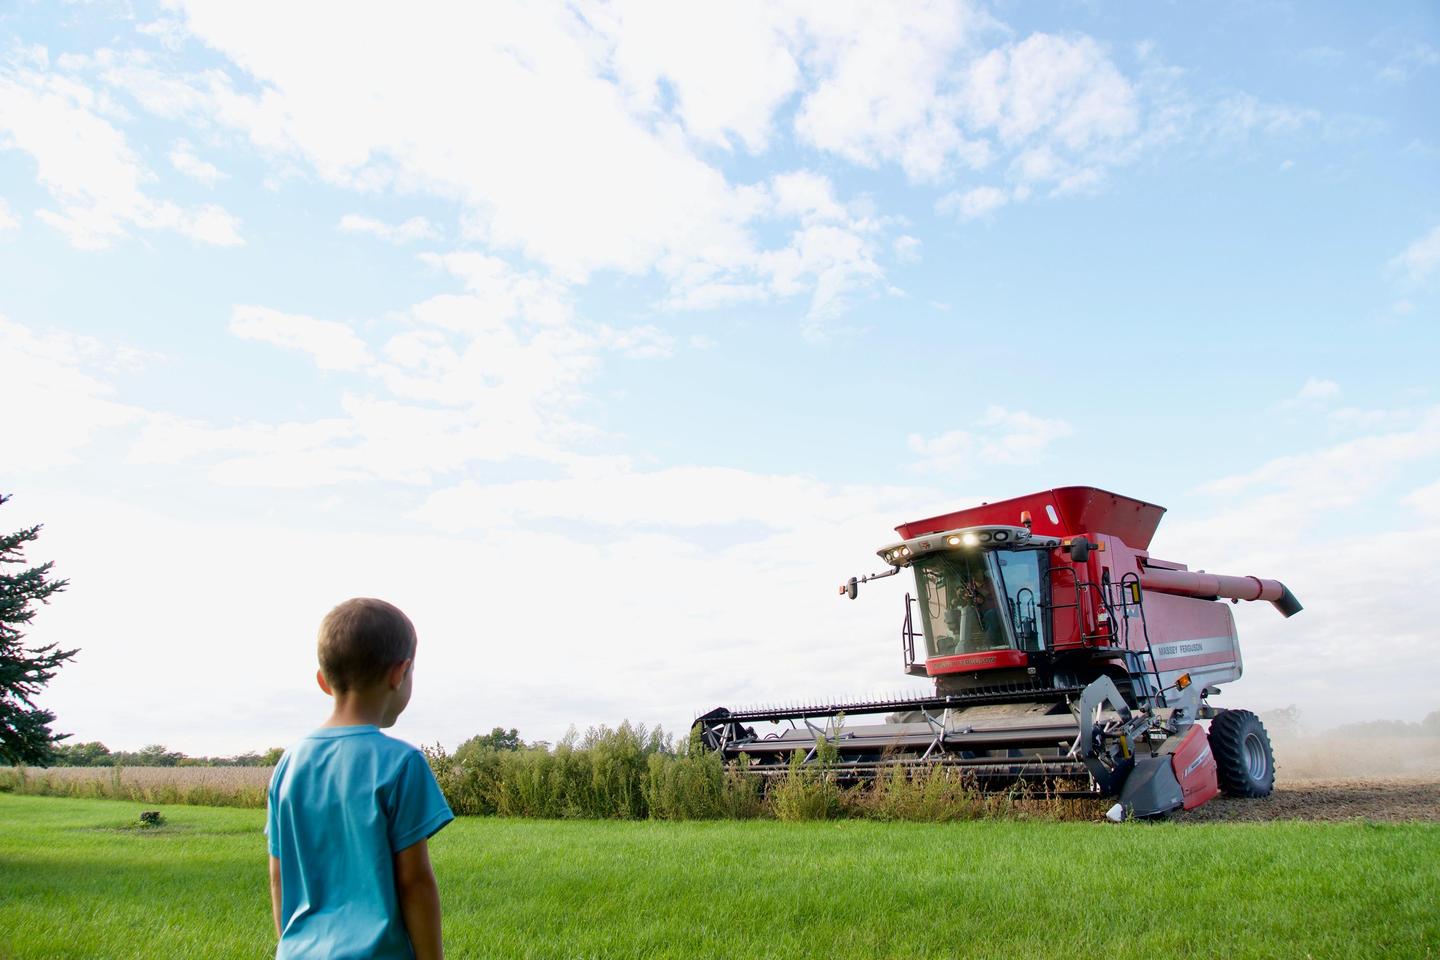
851,587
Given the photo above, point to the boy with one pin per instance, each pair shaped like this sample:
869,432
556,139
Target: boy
351,809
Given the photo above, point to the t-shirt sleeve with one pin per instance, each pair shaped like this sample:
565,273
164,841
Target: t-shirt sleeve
420,807
272,823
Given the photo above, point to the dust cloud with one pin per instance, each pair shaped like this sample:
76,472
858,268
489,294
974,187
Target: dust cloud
1301,757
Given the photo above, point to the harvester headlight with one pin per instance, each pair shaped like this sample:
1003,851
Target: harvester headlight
970,539
904,551
954,541
1002,535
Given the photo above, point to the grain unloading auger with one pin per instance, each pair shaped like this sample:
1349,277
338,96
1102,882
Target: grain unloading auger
1064,657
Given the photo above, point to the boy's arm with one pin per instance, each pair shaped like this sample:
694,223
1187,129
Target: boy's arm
275,892
419,897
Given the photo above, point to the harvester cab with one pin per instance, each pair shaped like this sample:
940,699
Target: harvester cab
1061,652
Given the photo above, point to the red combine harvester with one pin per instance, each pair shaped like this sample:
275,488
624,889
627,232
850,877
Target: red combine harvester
1062,653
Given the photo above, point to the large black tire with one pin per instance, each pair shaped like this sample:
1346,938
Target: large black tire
1243,758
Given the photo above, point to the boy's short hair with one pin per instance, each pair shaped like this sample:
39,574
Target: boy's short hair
361,639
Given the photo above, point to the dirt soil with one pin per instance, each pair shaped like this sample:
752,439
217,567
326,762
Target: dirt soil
1391,799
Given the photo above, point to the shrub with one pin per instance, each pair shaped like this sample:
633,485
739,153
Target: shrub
808,790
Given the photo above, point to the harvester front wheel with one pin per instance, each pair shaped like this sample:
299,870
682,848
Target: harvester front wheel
1243,758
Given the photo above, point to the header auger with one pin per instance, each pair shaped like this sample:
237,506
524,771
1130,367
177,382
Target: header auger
1061,652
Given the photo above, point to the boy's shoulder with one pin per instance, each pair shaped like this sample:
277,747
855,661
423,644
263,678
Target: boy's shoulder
327,746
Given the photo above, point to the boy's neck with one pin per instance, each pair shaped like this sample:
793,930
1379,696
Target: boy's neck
359,708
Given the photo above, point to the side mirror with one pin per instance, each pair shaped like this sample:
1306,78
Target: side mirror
1080,549
850,588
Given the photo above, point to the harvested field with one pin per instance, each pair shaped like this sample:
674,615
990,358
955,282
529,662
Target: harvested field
1389,799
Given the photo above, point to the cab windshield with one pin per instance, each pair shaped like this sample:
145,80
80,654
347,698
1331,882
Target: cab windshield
972,601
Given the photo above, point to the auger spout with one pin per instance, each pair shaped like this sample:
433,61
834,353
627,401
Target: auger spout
1208,585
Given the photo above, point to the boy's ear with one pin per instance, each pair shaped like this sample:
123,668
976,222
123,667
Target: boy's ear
396,676
324,684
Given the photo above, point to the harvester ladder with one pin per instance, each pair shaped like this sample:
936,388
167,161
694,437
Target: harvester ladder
907,633
1104,594
1131,595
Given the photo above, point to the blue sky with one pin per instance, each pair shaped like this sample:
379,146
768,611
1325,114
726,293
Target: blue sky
607,337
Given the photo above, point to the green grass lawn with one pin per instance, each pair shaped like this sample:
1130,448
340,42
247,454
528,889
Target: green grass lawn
77,880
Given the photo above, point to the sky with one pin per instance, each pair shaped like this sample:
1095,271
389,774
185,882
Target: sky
607,338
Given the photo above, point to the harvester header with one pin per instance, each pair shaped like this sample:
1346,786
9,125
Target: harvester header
1060,650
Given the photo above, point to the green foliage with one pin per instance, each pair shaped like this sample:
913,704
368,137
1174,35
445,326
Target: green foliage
633,773
602,776
695,784
96,754
92,753
25,735
497,739
155,755
930,794
807,791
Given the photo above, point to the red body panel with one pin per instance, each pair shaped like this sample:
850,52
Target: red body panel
1188,631
985,660
1194,767
1076,510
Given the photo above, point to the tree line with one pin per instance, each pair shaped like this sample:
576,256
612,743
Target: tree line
96,754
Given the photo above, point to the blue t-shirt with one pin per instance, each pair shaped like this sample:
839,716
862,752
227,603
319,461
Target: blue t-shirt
343,802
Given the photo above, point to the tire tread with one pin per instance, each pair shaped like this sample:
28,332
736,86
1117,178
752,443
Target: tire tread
1227,741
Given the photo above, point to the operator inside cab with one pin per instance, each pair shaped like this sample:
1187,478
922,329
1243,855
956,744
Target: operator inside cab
961,594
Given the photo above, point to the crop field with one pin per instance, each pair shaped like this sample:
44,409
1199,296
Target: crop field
210,786
81,878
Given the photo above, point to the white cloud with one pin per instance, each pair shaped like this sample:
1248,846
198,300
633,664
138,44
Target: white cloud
729,68
416,228
907,248
581,183
63,381
88,167
806,196
611,494
1318,520
1314,391
333,346
184,159
1425,501
169,31
973,204
640,343
1338,475
1243,115
1414,57
879,82
1418,262
610,116
1064,88
9,219
999,436
491,374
